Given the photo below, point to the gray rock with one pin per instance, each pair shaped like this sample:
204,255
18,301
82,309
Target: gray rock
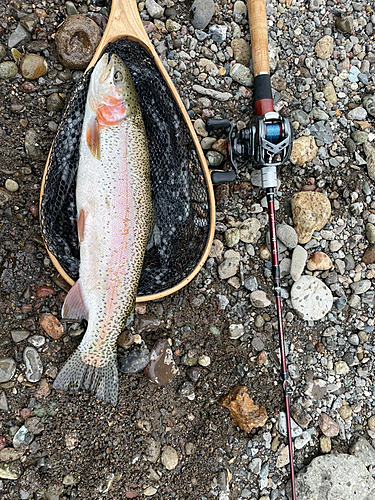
34,366
8,69
19,335
281,425
7,369
361,286
152,451
369,150
154,9
251,284
369,104
22,438
302,440
358,113
202,12
287,235
239,11
322,132
214,94
134,361
19,37
3,402
299,258
311,298
363,450
259,298
241,74
334,476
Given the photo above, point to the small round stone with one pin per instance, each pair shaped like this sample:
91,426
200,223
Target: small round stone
169,458
8,69
33,67
11,186
204,360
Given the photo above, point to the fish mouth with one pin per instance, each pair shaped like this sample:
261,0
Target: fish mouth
108,65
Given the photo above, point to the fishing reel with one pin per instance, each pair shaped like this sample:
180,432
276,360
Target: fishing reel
267,142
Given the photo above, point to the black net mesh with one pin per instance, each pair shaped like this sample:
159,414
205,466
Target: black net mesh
179,189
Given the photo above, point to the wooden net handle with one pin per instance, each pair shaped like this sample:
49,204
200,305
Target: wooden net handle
258,34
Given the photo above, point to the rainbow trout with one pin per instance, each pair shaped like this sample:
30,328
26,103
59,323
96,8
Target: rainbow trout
115,215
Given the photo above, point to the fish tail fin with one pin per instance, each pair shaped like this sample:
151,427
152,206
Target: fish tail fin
101,381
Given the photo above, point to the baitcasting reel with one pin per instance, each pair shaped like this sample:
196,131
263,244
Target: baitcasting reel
267,142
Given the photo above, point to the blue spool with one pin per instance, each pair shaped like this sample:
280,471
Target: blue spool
273,132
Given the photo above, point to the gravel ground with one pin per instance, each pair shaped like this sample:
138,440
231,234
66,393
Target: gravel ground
177,441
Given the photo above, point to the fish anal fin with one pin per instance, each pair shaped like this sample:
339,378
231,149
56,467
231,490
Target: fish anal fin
81,225
74,305
93,137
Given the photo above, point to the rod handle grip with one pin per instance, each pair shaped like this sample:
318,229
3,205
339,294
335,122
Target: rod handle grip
259,38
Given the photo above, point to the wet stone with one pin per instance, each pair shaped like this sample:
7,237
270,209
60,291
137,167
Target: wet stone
10,454
19,335
8,69
7,369
19,37
169,458
134,361
22,438
152,451
161,368
54,102
11,470
34,366
148,324
76,41
51,325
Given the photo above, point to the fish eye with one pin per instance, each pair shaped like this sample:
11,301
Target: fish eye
118,76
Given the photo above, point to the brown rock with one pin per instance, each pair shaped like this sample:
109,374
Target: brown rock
76,41
241,51
162,368
324,47
10,454
319,262
311,212
45,291
33,67
242,410
51,325
43,390
327,425
148,324
221,145
369,255
304,150
126,339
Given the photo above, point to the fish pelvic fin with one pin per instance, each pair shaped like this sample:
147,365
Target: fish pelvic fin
101,381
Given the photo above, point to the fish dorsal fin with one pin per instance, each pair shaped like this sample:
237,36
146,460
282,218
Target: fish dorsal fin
74,305
93,137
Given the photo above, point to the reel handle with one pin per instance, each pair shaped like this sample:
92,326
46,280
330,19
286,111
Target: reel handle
218,176
213,124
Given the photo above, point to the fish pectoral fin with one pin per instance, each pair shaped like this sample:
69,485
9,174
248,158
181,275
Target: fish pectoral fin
74,306
81,225
93,137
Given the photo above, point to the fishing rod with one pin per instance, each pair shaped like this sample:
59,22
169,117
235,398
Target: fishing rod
268,144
